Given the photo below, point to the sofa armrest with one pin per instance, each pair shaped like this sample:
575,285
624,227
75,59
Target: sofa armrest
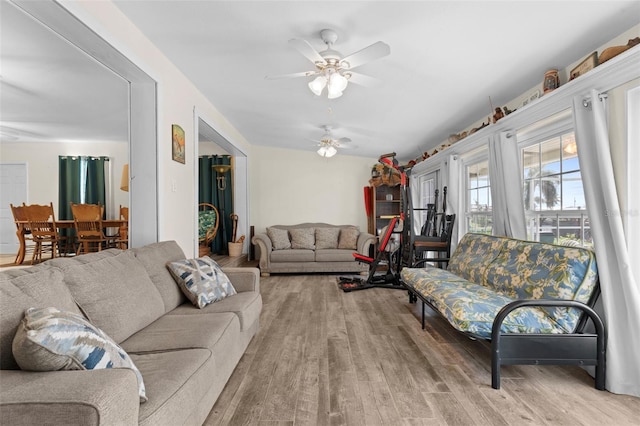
76,397
244,279
265,247
365,241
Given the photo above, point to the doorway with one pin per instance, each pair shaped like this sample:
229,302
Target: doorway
206,137
12,191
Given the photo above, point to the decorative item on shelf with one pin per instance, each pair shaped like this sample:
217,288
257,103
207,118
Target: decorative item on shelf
551,81
382,174
497,115
389,197
475,129
177,143
585,66
531,97
508,111
611,52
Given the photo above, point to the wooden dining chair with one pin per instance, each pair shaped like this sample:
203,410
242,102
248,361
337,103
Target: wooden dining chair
44,232
27,245
89,229
122,238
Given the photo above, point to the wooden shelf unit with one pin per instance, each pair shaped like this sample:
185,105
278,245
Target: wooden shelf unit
384,208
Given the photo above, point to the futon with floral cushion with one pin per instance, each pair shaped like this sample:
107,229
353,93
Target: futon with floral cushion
532,300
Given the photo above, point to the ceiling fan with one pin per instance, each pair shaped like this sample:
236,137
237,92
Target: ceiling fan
328,145
332,70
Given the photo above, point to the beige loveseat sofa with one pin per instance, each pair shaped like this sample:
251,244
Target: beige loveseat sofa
312,247
185,355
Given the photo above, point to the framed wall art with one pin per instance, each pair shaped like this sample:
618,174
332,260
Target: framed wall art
588,64
177,143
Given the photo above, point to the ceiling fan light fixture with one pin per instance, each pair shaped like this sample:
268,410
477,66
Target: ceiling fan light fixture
338,82
327,151
318,84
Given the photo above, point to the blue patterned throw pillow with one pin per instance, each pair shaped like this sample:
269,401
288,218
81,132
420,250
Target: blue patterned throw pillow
49,339
201,280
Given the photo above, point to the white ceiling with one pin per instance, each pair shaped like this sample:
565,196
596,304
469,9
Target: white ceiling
52,91
447,58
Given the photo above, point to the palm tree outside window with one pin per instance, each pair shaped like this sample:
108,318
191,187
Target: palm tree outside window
553,194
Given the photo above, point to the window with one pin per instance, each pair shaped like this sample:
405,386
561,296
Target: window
478,212
554,202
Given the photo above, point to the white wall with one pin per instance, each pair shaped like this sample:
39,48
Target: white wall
291,186
42,167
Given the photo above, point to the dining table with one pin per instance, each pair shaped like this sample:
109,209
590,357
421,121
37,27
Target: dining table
60,224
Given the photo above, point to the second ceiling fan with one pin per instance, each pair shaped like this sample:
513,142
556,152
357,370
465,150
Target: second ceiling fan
328,145
332,70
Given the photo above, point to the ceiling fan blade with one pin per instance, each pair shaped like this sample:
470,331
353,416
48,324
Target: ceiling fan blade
297,74
307,50
375,51
363,80
343,140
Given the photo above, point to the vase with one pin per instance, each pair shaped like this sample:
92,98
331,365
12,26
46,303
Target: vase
551,81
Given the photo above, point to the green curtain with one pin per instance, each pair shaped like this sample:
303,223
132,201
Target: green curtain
95,188
80,180
208,192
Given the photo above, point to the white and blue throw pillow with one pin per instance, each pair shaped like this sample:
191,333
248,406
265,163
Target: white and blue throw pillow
201,280
49,339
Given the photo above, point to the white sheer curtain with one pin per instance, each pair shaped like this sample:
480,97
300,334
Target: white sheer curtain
506,187
454,192
620,291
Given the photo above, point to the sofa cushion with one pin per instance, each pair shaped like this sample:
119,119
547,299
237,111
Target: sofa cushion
529,270
49,339
154,258
293,255
335,255
348,238
176,382
40,288
303,238
175,331
327,238
473,255
201,280
279,238
471,308
115,293
246,305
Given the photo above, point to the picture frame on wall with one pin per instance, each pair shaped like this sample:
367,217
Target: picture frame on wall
177,143
585,66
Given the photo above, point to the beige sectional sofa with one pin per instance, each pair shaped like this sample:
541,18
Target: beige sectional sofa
317,249
185,354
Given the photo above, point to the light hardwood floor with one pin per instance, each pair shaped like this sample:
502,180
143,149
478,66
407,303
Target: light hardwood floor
325,357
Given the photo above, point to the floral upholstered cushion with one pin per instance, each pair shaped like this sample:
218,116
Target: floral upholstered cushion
49,339
530,270
206,220
473,255
487,272
471,308
201,280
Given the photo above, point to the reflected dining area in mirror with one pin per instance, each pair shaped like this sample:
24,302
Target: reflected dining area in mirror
41,236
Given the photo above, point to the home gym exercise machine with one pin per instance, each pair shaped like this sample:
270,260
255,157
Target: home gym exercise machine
389,252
